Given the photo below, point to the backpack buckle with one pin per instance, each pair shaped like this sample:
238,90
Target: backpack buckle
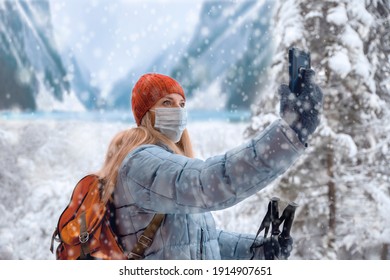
145,241
134,256
84,237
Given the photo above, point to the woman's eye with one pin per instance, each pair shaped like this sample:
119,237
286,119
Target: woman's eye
182,105
167,102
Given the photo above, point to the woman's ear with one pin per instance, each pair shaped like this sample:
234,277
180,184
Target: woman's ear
152,117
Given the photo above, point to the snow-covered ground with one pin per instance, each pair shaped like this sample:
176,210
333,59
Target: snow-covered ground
42,160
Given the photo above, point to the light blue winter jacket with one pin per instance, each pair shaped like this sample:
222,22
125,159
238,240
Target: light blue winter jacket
154,180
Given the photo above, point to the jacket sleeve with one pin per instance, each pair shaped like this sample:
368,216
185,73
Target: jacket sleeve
160,181
237,246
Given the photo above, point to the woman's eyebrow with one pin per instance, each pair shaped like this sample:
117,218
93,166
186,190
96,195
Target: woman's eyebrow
171,98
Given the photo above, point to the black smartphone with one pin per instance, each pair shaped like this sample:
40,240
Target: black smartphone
298,59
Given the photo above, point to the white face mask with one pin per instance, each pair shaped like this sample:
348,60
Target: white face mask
171,122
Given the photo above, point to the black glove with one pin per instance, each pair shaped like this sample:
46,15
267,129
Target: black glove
285,247
273,249
301,110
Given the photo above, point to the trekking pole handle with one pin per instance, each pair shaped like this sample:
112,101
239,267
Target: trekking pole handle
285,241
275,220
289,213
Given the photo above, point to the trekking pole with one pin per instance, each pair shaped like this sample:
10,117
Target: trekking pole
271,247
288,218
275,221
265,224
271,219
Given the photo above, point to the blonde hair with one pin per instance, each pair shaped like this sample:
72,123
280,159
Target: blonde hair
126,141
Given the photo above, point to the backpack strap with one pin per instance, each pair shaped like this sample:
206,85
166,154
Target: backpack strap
84,237
54,237
146,239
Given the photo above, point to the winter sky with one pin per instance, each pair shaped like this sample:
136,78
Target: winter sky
112,37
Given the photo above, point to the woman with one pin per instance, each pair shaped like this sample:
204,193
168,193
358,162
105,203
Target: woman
154,171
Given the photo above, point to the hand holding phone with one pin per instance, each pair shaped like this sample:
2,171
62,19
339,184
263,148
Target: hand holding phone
301,100
298,60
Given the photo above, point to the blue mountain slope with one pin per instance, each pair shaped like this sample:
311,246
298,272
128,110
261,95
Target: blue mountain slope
30,63
28,57
231,45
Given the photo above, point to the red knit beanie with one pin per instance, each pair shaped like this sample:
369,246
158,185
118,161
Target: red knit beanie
148,90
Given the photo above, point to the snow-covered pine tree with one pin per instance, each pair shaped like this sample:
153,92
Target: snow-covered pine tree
342,183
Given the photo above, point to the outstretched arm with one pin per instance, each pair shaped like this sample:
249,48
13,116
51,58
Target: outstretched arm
163,182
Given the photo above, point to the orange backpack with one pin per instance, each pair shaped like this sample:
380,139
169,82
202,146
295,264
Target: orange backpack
84,230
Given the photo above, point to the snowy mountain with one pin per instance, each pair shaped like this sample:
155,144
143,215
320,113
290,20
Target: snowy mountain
32,73
79,77
231,46
226,57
